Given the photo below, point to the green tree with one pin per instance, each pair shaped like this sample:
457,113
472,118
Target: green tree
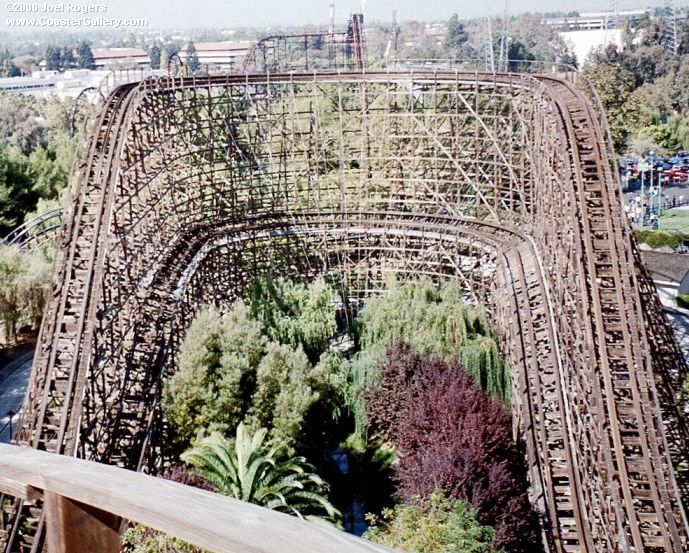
456,36
294,314
16,192
53,58
7,66
283,395
212,387
230,370
10,300
192,60
24,285
438,525
251,471
67,59
615,86
154,54
164,59
85,58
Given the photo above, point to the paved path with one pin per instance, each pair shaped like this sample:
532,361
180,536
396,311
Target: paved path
679,318
14,380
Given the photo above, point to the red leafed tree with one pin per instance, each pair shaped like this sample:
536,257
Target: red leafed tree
451,436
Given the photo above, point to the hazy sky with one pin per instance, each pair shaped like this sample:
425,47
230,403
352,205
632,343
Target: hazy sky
231,13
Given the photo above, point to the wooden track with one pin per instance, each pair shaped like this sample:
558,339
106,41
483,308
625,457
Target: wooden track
504,182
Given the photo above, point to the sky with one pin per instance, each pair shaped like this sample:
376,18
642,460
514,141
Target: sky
238,13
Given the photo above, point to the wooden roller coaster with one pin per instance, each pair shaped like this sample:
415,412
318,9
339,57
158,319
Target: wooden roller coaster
504,182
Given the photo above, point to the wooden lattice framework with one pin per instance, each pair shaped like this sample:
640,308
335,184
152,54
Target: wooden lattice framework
505,183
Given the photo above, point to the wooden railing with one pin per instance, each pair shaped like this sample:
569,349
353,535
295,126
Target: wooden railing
86,502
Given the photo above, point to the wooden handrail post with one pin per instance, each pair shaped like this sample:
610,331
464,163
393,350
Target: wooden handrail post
74,527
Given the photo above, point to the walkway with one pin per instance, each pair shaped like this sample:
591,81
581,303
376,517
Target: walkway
14,380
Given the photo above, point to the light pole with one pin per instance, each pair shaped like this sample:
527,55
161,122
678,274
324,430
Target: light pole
660,194
642,170
651,184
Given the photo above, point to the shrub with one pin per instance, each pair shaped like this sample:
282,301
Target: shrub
659,238
229,372
435,525
452,436
438,323
683,301
249,470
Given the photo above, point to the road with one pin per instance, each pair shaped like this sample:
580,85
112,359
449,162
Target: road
14,380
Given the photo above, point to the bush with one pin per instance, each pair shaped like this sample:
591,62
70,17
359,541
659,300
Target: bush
436,525
249,365
437,322
659,238
454,437
683,301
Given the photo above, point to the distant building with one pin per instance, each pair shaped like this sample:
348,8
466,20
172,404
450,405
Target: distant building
592,21
219,55
113,57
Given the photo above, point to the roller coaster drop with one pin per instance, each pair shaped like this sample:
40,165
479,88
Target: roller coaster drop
503,182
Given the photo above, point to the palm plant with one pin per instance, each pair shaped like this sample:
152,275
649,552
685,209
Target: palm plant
251,470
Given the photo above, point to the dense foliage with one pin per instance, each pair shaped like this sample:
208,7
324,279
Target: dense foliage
249,365
452,436
438,323
250,470
434,525
644,89
660,238
24,286
35,154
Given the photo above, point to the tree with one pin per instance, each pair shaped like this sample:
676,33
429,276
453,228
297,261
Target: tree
155,54
164,59
615,86
24,285
7,66
456,35
66,59
16,193
231,368
211,389
85,58
434,525
53,58
437,323
192,60
251,471
294,314
452,436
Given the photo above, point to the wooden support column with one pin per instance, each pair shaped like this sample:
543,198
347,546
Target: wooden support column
76,527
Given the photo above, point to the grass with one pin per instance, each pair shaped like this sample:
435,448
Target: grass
675,219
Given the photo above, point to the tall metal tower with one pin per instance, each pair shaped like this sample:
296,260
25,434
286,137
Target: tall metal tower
502,60
331,27
669,39
612,21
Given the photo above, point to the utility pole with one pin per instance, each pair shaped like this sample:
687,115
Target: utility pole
503,61
331,27
489,53
394,32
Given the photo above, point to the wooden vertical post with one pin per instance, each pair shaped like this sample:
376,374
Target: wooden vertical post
75,527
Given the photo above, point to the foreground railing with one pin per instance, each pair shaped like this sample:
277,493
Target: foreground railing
85,504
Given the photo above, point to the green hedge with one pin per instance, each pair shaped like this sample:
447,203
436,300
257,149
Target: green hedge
683,300
659,238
